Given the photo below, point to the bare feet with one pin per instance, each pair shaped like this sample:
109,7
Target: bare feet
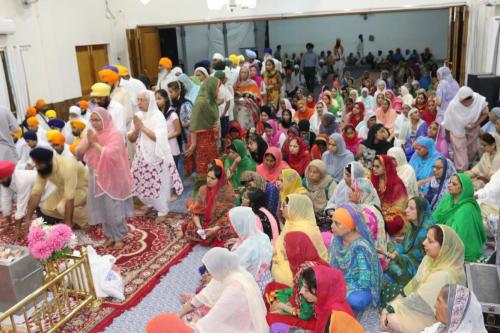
150,211
173,197
119,245
108,243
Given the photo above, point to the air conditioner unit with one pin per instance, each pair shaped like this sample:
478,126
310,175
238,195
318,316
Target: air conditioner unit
7,26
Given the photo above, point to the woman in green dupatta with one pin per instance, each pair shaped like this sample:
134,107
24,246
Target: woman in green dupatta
459,210
339,102
238,162
407,255
204,127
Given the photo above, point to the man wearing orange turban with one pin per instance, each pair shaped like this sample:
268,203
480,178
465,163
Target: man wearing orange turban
34,126
164,73
84,106
58,143
109,74
77,127
31,111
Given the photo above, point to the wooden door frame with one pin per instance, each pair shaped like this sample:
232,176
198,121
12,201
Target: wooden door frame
458,29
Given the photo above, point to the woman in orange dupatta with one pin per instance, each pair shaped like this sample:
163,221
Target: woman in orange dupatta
303,112
272,79
247,98
392,193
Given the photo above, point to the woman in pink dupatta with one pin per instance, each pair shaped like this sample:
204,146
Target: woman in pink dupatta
109,198
273,136
386,115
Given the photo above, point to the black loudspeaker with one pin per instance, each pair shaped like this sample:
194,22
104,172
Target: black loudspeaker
487,85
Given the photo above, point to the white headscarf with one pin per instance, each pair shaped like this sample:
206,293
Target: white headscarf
458,116
154,151
406,96
238,305
404,170
253,247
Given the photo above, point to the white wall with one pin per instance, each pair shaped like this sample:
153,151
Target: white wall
410,30
54,27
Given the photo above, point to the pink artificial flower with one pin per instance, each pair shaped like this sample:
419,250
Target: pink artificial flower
36,234
40,251
62,231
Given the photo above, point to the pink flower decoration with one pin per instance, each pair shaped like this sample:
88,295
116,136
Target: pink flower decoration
61,231
36,235
40,251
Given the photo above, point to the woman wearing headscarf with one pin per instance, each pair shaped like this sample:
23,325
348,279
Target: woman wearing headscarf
414,129
253,179
272,80
405,171
407,255
460,211
272,134
303,112
315,120
457,311
386,115
337,156
203,127
238,162
298,213
357,115
363,194
406,96
443,264
462,121
436,133
396,102
208,223
490,126
489,162
367,99
352,140
285,303
392,193
153,165
445,92
256,146
353,252
320,188
109,195
423,160
286,120
297,154
273,164
247,98
285,105
192,89
328,124
381,87
331,104
253,246
319,146
289,182
364,127
232,295
352,171
337,101
443,170
375,144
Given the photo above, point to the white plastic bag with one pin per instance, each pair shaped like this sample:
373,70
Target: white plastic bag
107,283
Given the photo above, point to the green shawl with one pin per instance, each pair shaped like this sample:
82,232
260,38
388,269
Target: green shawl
246,163
205,110
464,217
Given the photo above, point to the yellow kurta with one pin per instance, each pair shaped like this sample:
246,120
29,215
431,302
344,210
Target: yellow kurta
70,179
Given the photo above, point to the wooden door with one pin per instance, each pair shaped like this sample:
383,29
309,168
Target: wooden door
144,51
90,59
458,26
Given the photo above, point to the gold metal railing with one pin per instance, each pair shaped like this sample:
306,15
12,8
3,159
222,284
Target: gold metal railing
68,289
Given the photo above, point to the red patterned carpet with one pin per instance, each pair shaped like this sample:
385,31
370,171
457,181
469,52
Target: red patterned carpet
151,249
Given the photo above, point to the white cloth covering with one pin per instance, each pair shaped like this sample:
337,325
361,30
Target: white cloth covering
233,297
458,116
119,116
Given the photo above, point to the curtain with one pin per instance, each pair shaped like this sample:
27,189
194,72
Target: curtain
215,40
478,37
240,36
4,93
17,75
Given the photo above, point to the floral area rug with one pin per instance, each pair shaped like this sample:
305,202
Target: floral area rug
150,250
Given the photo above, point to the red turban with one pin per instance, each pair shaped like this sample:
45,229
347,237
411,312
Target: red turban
7,168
